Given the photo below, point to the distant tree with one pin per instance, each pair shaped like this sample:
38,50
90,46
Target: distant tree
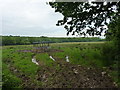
43,36
79,16
8,40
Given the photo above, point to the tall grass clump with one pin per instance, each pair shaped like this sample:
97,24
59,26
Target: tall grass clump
23,61
109,53
44,59
10,81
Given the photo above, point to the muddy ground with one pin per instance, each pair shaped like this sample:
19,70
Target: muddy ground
74,76
41,51
66,75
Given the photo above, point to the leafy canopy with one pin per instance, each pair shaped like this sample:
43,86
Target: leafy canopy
86,17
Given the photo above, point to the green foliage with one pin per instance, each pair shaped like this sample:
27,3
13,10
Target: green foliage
44,59
88,54
84,54
23,61
113,48
109,53
114,35
9,80
16,40
79,15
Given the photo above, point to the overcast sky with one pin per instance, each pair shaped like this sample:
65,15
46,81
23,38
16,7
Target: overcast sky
29,18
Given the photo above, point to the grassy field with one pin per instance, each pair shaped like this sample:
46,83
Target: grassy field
18,70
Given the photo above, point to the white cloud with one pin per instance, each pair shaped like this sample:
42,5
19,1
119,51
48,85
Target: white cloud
27,17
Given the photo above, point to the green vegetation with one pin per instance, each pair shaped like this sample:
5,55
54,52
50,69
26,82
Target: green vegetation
84,18
89,59
17,40
20,72
82,53
9,79
44,58
113,46
18,68
93,15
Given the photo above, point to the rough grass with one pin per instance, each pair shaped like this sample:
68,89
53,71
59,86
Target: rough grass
82,53
9,79
44,58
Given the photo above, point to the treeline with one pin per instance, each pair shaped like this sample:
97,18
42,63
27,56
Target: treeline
18,40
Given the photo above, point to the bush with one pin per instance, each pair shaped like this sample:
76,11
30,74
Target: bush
109,53
10,81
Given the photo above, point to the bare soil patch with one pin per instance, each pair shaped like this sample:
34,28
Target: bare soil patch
73,76
41,51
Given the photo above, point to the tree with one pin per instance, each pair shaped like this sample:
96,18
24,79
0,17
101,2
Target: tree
85,18
114,36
